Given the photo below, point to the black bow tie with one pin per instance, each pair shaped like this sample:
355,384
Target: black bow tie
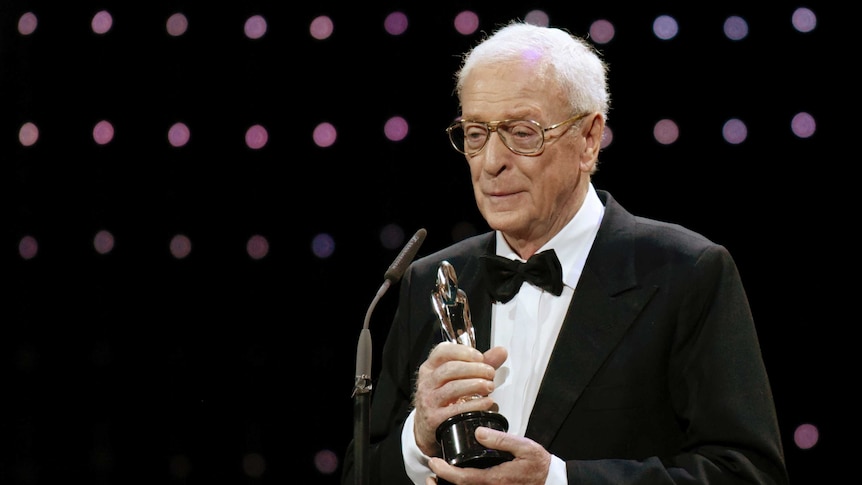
505,275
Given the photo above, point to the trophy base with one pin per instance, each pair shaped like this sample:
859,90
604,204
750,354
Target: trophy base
457,438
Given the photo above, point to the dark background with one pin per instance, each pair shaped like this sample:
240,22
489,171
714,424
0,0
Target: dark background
138,367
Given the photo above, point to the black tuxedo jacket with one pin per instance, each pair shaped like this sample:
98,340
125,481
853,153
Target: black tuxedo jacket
656,376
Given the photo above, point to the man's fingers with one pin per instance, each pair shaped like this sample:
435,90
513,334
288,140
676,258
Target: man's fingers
497,440
445,351
496,356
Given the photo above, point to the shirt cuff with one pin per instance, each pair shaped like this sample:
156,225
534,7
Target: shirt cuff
557,472
415,462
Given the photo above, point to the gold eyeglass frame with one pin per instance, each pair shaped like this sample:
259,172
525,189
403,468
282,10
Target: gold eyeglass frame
491,127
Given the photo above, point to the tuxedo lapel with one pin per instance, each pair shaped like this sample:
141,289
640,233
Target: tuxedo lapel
476,287
605,303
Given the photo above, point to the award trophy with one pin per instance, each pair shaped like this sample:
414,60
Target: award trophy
456,435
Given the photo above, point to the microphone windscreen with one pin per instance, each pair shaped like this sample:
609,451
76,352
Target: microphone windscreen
405,257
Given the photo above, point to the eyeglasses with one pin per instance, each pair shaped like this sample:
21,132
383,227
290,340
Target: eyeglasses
524,137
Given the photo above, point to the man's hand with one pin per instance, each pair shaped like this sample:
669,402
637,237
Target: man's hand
452,372
530,466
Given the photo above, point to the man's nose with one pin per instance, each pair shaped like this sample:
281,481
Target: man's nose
496,153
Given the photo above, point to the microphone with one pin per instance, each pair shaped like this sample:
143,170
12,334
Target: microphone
362,385
397,268
393,275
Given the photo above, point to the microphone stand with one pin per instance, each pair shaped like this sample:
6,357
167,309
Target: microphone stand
362,385
362,394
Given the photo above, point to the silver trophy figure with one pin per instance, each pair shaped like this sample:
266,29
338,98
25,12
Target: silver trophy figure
452,308
456,435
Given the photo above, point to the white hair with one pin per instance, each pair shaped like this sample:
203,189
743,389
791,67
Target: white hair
573,62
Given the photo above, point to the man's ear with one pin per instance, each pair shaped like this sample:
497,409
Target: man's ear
592,129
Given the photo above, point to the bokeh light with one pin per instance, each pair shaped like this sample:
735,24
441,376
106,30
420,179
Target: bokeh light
396,128
804,19
257,246
177,25
665,27
806,436
179,134
537,17
395,23
324,135
666,132
255,27
102,22
321,27
466,22
27,23
103,242
180,246
607,137
28,247
103,132
254,465
602,31
734,131
392,236
28,134
735,28
256,137
803,125
326,461
323,245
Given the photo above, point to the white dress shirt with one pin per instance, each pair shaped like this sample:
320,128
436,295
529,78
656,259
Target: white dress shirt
527,326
